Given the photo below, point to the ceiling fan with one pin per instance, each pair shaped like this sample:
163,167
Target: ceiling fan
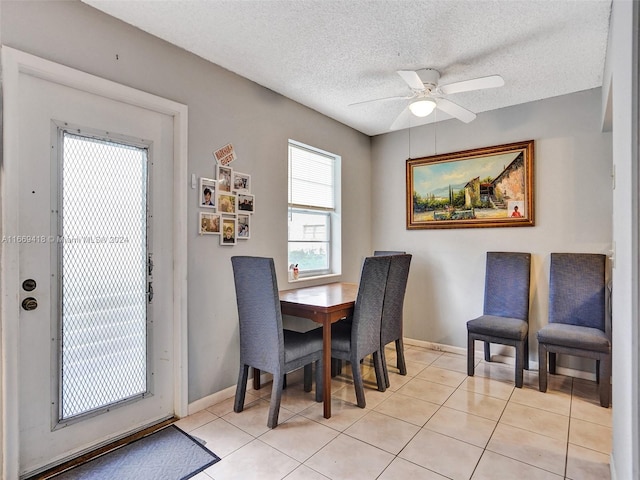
427,94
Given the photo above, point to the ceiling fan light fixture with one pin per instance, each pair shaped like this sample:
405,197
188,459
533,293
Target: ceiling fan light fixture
422,108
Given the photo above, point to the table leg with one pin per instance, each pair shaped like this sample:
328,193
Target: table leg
326,361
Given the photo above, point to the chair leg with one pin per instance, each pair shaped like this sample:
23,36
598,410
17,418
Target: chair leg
542,367
276,396
605,382
526,353
520,359
336,367
487,352
241,388
552,363
307,377
598,371
256,379
380,372
385,371
470,355
358,383
319,380
402,366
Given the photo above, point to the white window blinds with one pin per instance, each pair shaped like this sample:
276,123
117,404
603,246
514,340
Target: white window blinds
311,178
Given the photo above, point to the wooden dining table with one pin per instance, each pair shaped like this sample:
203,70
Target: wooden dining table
324,304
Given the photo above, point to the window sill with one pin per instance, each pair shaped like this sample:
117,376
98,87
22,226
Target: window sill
317,277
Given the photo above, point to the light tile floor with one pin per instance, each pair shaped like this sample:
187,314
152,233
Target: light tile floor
433,424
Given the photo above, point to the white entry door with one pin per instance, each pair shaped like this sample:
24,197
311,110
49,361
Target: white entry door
94,243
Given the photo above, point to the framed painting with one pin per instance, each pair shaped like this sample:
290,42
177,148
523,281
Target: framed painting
484,187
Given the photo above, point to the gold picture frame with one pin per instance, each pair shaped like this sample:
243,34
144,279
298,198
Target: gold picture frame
483,187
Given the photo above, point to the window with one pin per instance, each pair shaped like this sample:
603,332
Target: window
103,261
314,220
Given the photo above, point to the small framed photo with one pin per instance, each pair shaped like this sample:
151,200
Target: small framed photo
207,193
227,202
241,182
208,223
244,229
224,176
228,233
246,202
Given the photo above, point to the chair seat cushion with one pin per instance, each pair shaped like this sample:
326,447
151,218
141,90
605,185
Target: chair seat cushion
299,345
574,336
499,327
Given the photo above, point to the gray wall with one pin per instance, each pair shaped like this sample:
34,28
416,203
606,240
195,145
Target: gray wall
573,208
223,108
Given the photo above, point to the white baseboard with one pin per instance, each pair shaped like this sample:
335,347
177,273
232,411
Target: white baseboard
506,359
210,400
570,372
214,398
612,467
435,346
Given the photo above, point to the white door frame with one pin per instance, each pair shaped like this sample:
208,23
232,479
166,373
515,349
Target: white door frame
15,62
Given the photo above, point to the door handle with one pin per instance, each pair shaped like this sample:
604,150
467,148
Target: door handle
29,303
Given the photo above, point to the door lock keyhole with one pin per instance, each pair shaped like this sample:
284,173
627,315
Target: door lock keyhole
29,303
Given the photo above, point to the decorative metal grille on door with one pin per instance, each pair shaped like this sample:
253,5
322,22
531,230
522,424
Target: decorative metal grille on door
104,271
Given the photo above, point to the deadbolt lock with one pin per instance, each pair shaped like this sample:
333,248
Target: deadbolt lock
29,303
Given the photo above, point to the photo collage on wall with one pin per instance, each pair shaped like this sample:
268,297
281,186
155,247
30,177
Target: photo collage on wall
226,201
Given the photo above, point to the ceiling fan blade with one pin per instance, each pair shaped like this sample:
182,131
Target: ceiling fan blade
412,79
455,110
402,120
406,119
380,100
481,83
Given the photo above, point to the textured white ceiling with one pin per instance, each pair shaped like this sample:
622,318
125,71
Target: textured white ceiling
327,54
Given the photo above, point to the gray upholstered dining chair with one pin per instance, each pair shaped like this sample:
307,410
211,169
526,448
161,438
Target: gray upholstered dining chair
577,317
263,342
392,319
354,340
505,318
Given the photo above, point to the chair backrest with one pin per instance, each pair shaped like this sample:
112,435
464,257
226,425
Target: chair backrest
391,328
367,312
577,289
506,287
378,253
259,314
